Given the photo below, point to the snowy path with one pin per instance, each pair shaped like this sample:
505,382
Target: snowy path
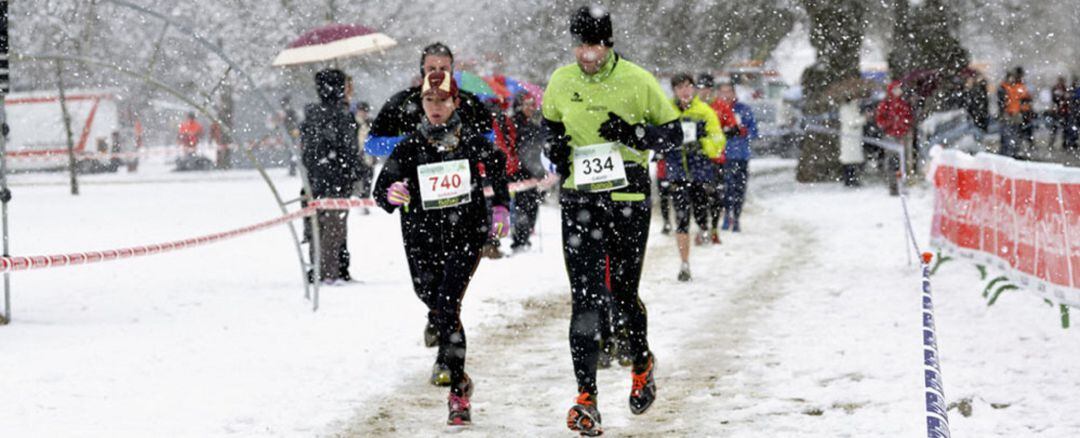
806,324
523,371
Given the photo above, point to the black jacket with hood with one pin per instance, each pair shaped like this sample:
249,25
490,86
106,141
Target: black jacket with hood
328,138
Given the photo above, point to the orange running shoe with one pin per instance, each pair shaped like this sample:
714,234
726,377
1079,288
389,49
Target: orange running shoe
643,389
584,417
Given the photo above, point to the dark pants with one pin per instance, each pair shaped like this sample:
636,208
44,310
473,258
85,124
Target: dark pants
526,207
1058,124
365,184
441,269
736,175
663,189
1014,137
1071,134
690,198
598,235
716,203
333,233
344,258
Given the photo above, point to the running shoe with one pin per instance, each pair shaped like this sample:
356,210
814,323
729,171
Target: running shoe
684,272
643,389
459,407
715,237
667,228
440,375
584,417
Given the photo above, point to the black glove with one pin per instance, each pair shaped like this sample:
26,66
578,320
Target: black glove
619,130
700,130
558,152
5,195
558,147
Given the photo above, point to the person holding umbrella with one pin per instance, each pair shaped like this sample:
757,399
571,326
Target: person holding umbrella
328,138
433,178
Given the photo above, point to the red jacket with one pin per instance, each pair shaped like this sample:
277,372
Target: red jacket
894,115
506,139
189,134
725,113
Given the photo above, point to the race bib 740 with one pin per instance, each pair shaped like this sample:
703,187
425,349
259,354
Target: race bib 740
446,184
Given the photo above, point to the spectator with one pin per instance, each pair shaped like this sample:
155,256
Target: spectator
190,133
1060,111
851,143
217,136
1072,131
328,135
520,136
362,113
895,118
1014,110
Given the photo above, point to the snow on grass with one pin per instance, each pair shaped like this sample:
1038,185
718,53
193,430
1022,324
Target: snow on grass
805,324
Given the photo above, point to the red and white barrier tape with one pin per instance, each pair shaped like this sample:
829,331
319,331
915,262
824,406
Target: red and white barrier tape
23,263
62,155
56,154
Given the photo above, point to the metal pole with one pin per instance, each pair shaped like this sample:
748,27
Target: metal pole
903,189
67,128
5,194
186,99
197,36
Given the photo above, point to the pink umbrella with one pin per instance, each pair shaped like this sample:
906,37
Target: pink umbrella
331,42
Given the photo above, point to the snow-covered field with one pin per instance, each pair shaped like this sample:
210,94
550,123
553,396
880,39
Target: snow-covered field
806,324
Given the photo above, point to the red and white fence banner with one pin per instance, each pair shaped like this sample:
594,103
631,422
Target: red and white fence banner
1020,217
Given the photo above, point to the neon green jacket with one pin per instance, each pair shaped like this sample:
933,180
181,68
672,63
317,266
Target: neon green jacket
581,102
712,144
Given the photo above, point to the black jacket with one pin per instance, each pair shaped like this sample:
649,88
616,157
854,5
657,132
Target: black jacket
330,153
417,150
530,144
403,112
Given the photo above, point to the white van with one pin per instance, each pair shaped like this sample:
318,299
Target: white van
38,139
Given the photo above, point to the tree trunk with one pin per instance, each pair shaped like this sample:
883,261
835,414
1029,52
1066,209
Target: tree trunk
72,163
836,32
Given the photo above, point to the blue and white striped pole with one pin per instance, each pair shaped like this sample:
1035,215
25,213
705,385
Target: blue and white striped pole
937,419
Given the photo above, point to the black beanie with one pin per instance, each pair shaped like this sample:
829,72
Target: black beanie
706,80
591,25
330,85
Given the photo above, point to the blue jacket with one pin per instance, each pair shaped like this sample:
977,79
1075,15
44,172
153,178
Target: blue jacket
738,147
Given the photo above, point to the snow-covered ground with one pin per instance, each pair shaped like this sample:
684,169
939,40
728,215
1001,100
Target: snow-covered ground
805,324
